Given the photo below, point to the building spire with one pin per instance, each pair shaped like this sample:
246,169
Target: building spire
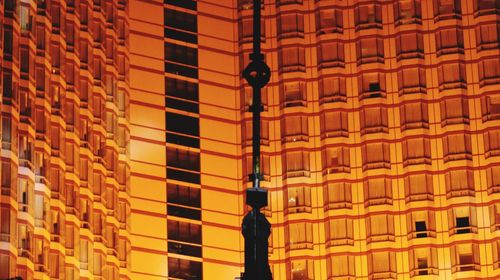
255,228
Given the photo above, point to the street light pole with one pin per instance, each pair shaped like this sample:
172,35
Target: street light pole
255,228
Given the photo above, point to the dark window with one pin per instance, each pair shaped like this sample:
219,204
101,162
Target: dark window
184,269
188,4
181,105
183,176
463,225
8,42
181,89
181,36
181,54
421,229
183,159
180,20
184,249
177,69
183,195
182,124
7,84
485,7
184,212
183,140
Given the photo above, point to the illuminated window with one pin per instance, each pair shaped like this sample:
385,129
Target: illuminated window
421,224
246,30
414,115
465,257
376,155
496,255
336,159
339,232
416,151
493,179
382,265
449,41
330,54
423,261
338,195
298,199
489,72
487,36
407,11
491,143
494,217
25,241
300,270
377,191
248,133
454,111
332,89
247,98
265,164
329,20
486,7
293,94
41,254
300,235
7,224
368,16
409,45
291,59
379,228
373,120
457,147
371,85
184,231
26,149
418,187
334,124
296,164
340,267
446,9
451,75
290,25
459,183
490,107
411,80
370,50
294,128
184,269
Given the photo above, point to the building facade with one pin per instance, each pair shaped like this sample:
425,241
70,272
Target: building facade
65,163
126,138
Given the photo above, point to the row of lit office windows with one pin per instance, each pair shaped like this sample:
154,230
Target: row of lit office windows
384,264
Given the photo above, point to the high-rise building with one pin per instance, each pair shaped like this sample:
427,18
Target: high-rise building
126,138
65,167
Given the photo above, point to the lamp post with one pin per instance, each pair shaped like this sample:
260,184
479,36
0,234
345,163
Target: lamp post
255,227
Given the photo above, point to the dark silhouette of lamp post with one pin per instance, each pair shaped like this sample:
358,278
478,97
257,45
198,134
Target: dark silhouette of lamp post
255,228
